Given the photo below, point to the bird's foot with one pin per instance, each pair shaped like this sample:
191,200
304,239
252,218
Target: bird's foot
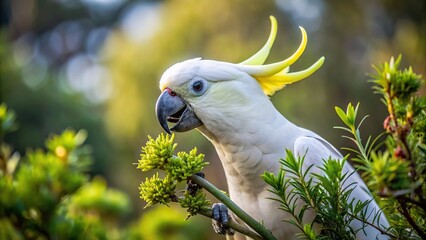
221,219
192,187
220,213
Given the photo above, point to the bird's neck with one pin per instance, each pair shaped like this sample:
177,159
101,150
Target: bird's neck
251,145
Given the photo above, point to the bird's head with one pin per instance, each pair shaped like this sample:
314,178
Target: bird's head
197,92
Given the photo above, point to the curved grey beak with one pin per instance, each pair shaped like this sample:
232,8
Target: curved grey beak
172,108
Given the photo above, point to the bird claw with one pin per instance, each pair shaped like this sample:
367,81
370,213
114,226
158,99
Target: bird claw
221,219
220,214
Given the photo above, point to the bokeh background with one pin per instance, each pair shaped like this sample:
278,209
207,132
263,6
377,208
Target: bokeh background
95,65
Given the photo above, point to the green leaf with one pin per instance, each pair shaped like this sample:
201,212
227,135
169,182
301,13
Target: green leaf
342,116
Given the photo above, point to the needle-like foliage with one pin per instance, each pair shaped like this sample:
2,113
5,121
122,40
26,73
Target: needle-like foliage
396,172
300,190
392,164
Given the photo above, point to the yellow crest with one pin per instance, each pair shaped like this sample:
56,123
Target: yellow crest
273,77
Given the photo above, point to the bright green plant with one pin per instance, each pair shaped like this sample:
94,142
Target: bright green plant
159,154
324,194
48,195
95,196
393,166
395,172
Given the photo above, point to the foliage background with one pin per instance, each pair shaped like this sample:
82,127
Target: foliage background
95,64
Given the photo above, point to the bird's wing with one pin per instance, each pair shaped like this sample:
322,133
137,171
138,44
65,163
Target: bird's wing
315,149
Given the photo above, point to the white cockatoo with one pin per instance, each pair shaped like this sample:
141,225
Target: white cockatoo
229,104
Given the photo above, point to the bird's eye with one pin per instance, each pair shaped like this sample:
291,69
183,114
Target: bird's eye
198,86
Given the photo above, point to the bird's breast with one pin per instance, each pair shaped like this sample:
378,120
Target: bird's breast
243,167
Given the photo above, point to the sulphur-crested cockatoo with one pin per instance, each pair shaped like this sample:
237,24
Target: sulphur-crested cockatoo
229,104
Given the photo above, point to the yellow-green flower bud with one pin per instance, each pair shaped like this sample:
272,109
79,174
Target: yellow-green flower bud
156,153
194,203
185,165
157,190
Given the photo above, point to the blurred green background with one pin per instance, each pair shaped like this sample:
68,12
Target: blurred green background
95,65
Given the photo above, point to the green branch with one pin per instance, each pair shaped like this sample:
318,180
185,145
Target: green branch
234,225
159,154
251,222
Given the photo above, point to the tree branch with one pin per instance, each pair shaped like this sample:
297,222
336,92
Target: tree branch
372,225
422,205
235,226
251,222
410,220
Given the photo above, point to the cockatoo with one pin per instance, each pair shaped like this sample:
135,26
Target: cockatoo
229,104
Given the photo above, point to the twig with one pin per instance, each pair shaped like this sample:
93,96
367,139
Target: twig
251,222
410,220
422,205
372,225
